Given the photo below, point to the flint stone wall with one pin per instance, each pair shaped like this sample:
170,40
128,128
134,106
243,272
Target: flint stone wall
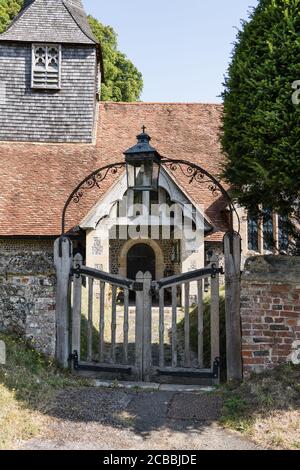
27,298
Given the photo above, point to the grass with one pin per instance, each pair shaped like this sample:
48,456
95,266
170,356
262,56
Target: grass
84,338
266,408
28,381
206,334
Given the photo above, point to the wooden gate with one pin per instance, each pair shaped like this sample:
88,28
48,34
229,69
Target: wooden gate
150,339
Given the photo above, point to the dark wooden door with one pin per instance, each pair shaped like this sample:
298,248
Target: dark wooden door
140,257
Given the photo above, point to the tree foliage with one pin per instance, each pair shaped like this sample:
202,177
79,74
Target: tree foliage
8,10
123,81
261,131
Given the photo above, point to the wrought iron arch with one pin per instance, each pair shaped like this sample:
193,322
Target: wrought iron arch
190,170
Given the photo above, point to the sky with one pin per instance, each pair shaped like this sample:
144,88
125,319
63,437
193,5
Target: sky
182,47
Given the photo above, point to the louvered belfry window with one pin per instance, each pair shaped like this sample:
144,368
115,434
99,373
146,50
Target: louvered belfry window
46,65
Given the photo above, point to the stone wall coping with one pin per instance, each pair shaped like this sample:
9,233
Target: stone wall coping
270,268
26,263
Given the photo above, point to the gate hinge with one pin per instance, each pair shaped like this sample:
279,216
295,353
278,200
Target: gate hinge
76,271
216,271
153,291
216,368
73,358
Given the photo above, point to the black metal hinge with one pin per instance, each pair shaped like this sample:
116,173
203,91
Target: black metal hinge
216,271
73,358
216,368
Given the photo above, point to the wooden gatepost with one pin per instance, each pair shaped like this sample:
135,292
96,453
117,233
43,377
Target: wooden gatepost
63,263
232,253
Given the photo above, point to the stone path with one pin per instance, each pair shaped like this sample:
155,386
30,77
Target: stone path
108,419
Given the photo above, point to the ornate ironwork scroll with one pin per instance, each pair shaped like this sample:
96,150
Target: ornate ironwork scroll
92,181
196,174
199,175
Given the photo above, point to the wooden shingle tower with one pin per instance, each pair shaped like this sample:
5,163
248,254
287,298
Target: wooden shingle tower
49,74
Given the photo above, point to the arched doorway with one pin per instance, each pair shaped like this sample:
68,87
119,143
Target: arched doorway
141,257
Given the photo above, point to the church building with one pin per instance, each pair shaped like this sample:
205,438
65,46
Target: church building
55,131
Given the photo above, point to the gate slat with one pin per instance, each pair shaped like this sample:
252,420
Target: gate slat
187,356
200,323
113,323
102,322
76,315
161,327
139,333
90,320
126,325
215,312
174,326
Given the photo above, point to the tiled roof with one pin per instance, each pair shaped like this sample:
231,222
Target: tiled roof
53,21
36,179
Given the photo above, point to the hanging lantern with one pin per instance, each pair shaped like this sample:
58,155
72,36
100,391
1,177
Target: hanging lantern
142,165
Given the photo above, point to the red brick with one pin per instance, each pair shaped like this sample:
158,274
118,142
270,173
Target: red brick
247,354
288,340
254,361
289,314
281,288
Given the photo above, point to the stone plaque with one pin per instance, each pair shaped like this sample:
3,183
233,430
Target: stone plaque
2,353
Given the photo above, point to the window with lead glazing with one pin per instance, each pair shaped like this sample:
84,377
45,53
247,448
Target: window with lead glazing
252,234
268,230
46,66
283,234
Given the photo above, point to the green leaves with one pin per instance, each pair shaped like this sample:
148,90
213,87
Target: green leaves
8,10
261,128
123,81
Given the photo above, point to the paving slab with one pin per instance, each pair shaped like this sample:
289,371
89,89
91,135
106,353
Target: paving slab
126,385
185,388
196,407
151,386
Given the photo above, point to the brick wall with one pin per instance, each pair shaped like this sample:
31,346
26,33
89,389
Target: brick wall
270,312
27,297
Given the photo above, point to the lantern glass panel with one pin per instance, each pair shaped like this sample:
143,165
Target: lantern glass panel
144,175
131,171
